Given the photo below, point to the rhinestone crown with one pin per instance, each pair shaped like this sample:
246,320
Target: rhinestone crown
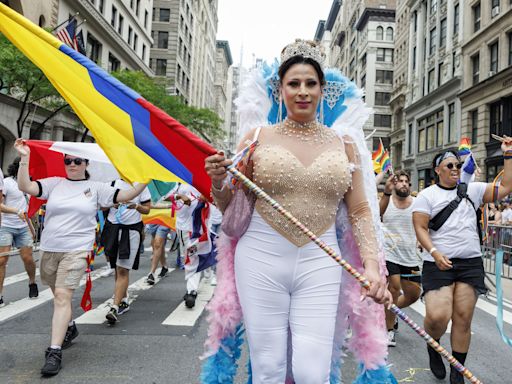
305,48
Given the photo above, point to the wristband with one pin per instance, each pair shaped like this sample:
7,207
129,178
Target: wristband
387,194
432,250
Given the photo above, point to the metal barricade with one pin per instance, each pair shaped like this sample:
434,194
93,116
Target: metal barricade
498,236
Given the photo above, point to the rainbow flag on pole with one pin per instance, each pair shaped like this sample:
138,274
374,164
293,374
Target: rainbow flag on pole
464,146
161,217
142,141
377,157
385,162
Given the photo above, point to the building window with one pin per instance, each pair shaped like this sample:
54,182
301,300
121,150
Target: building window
382,98
380,33
363,81
422,142
113,63
161,67
433,6
165,15
510,48
101,6
495,8
93,48
431,80
143,51
474,126
415,20
439,133
135,41
456,20
451,123
496,118
475,63
409,140
440,74
113,17
137,8
442,36
384,77
163,39
120,25
493,52
414,58
130,35
153,16
433,37
146,18
382,120
385,54
431,137
131,4
476,17
389,34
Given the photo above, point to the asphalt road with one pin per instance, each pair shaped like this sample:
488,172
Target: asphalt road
158,341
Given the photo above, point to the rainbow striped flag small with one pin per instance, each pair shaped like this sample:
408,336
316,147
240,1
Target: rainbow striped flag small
385,162
377,158
464,146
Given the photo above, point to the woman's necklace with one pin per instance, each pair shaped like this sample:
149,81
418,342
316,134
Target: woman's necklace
311,132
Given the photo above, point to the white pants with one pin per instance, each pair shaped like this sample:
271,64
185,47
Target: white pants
283,287
192,279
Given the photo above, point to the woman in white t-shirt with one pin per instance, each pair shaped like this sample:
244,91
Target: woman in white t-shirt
453,273
68,237
15,230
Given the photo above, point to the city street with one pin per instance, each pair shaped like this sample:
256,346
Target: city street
159,341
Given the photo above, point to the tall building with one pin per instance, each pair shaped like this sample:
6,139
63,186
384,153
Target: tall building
184,48
486,97
432,109
361,42
223,61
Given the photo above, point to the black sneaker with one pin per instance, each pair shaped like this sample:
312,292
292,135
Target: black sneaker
190,299
455,376
2,301
33,292
436,363
112,316
71,334
395,326
123,307
150,279
163,272
53,362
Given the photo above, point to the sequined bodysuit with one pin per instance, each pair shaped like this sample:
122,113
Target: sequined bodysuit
308,179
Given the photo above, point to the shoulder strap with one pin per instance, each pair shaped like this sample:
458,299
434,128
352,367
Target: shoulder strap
438,220
112,183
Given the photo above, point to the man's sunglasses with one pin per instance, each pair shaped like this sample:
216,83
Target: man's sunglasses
76,160
452,165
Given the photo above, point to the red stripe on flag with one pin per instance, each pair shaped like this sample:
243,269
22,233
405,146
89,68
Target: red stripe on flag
186,147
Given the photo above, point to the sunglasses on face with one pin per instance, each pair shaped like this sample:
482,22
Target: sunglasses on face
76,160
453,165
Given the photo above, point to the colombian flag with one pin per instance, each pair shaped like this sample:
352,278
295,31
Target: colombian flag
464,146
142,141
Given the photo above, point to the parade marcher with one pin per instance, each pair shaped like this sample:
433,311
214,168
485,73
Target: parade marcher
158,240
445,222
285,283
493,214
121,238
67,238
15,230
400,247
214,222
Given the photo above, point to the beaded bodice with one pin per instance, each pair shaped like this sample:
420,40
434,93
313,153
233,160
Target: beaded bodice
308,178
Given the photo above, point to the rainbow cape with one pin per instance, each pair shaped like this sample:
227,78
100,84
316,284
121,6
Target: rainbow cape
142,141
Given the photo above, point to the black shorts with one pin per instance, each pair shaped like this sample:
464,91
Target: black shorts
406,273
469,271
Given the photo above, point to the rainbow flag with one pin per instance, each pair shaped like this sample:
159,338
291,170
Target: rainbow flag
161,217
142,141
385,162
377,156
464,146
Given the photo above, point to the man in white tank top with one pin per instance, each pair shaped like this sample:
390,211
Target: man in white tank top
399,246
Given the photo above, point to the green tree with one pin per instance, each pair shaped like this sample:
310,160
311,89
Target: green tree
24,81
202,121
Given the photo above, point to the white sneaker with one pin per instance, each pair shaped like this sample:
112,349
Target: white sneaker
391,339
213,281
107,272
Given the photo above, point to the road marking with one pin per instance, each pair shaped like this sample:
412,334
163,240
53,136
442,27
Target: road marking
493,310
97,315
20,306
492,296
17,278
419,307
187,317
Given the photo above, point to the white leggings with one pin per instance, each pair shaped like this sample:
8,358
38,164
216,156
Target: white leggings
281,287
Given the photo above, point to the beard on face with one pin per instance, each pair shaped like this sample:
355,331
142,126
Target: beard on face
404,192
